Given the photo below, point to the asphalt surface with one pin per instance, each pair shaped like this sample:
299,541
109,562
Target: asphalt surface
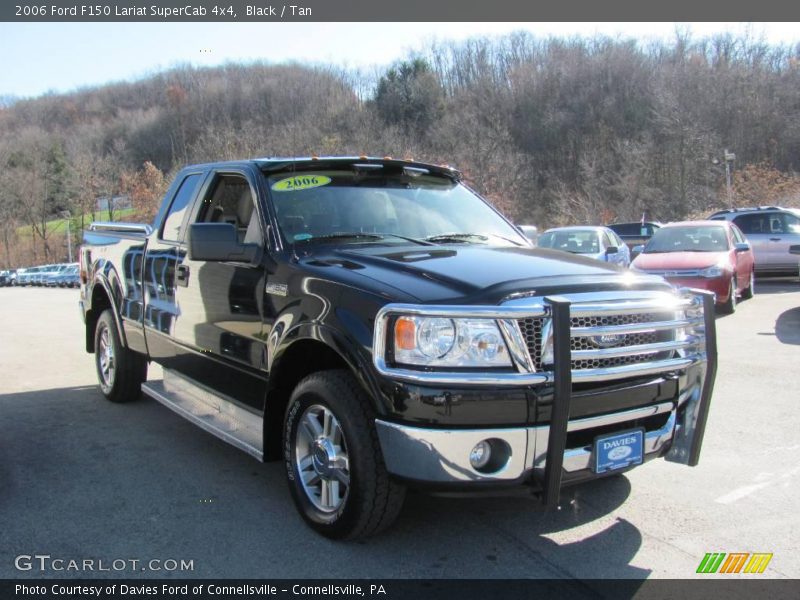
82,478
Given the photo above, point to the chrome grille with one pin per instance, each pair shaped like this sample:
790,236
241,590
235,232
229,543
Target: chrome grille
532,329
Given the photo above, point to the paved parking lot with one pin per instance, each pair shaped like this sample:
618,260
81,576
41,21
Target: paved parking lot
81,478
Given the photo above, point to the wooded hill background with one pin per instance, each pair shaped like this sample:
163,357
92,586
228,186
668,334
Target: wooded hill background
552,131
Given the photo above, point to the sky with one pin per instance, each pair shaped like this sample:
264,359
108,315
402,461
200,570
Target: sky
38,58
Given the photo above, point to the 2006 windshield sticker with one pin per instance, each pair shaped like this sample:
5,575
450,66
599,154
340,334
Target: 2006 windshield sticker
300,182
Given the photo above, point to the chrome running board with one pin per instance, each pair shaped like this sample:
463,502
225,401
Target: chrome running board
220,417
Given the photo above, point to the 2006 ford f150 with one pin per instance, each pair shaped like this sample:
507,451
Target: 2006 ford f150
376,325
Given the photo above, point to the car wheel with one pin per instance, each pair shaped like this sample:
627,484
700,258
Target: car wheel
120,371
333,459
748,292
729,307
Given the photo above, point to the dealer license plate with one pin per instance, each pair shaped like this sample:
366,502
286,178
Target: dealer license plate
618,451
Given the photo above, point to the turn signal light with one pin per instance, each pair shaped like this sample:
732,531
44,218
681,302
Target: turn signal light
405,334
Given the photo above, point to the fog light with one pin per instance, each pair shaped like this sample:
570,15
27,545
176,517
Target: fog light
480,455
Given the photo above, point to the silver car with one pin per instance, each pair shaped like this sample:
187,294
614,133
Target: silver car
600,243
771,230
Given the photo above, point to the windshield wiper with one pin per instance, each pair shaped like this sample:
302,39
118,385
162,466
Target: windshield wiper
364,236
466,237
455,237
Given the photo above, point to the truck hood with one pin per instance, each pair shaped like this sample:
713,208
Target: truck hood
471,274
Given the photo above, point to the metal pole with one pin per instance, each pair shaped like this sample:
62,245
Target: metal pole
729,158
69,243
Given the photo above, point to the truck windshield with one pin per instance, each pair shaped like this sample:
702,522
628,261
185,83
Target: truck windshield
347,206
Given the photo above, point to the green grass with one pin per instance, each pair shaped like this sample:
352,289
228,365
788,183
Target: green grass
61,224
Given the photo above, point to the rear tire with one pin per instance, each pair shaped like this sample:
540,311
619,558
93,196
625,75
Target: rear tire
729,307
120,371
748,292
334,464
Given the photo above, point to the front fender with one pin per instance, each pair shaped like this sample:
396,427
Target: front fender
357,358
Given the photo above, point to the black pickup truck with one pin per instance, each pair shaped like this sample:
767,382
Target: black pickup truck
376,325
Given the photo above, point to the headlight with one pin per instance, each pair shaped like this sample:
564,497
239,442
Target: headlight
443,342
712,271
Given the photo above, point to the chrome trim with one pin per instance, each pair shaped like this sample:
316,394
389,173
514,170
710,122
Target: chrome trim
463,377
634,369
583,305
599,309
619,417
577,459
653,348
634,327
210,412
517,348
442,455
120,226
673,272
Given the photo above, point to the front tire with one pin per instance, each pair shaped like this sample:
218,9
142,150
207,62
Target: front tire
748,292
729,307
120,371
334,465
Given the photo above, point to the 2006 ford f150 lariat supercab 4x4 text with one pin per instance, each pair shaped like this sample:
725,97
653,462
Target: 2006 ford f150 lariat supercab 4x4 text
376,325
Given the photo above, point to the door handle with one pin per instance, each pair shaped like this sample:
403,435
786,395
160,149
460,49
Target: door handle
182,275
774,239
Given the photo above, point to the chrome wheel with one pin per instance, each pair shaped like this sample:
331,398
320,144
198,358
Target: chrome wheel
106,365
321,458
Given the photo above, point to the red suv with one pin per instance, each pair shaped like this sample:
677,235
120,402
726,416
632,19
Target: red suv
711,255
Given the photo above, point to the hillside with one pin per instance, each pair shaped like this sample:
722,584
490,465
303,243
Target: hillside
552,131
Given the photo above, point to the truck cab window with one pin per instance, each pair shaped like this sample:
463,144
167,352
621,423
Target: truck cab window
231,200
171,231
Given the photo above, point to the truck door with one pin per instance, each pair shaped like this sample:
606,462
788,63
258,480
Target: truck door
165,250
218,332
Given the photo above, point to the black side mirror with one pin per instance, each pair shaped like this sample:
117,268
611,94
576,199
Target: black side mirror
611,250
219,242
741,247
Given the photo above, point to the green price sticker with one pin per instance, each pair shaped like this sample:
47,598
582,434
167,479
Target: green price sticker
300,182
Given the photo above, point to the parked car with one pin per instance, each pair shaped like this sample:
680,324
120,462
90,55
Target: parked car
531,232
771,230
600,243
67,277
24,275
635,234
710,255
5,278
43,275
51,277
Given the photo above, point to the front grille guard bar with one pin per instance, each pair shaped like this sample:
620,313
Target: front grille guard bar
525,372
688,436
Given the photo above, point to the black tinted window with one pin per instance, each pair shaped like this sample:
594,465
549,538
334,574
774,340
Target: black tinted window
171,230
754,223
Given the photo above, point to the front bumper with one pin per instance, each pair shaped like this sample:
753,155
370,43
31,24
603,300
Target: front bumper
561,452
441,456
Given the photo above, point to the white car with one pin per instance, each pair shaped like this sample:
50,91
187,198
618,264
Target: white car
600,243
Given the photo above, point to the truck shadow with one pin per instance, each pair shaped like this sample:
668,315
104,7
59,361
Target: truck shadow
787,327
137,480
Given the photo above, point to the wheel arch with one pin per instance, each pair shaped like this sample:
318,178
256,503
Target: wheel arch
101,298
306,350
